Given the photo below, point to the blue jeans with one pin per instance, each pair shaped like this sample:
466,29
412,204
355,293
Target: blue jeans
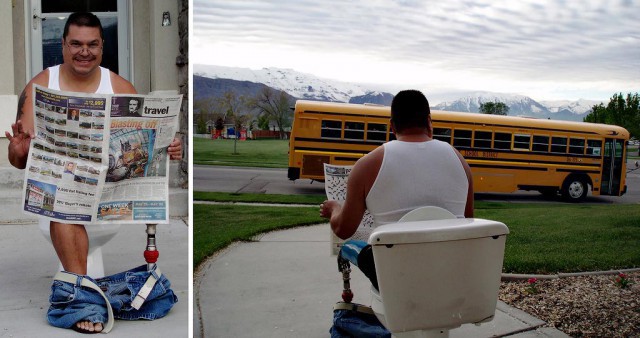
349,323
71,303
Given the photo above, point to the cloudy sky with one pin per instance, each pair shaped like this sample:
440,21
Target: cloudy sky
547,50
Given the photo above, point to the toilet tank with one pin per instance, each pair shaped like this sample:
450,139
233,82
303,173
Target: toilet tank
438,273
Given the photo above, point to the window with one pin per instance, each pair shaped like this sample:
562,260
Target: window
521,141
442,134
331,129
376,132
576,146
594,147
48,19
540,143
482,139
558,144
354,130
462,138
502,141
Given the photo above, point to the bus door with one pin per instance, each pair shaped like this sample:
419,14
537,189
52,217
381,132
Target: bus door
612,167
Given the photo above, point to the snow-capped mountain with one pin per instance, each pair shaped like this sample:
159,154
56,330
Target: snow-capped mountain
579,106
297,84
520,105
311,87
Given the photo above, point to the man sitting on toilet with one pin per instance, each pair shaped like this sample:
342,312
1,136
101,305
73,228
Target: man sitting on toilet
411,172
82,48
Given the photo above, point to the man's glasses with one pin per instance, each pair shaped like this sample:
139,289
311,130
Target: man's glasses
76,47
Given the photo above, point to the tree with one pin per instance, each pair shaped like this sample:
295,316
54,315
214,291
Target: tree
263,122
495,108
201,126
235,107
274,106
206,110
620,111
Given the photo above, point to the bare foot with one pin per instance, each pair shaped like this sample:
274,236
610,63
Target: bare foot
88,327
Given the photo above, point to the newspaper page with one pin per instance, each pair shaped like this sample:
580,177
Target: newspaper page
99,158
335,185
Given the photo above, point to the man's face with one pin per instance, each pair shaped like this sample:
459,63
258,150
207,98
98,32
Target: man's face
82,49
133,106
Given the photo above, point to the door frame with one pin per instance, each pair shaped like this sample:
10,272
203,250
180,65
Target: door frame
33,35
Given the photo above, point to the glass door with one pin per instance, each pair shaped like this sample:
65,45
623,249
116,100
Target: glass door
612,167
47,24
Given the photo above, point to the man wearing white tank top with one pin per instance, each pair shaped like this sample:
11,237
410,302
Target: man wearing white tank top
82,45
411,172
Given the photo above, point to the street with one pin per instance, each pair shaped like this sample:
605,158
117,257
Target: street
275,181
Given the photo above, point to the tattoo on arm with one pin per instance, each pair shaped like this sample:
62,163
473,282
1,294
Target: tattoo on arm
21,102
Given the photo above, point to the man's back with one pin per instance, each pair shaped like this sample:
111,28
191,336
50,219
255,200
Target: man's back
416,174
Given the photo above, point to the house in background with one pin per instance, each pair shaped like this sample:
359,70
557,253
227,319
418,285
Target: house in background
146,42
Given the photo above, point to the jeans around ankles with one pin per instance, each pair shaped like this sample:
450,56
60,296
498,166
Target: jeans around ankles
122,288
72,303
349,323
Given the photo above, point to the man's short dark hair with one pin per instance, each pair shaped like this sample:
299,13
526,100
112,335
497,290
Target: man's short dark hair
82,19
409,109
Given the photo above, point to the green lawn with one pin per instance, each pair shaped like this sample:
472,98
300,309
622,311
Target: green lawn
217,226
249,153
544,237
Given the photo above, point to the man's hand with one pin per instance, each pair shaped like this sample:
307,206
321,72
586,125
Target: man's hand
175,149
328,208
19,144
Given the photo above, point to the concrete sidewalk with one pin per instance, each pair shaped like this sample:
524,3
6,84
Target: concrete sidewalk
28,263
285,285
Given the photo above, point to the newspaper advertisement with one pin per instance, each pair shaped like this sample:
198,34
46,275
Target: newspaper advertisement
335,185
100,158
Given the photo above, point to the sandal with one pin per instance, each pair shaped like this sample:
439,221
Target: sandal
71,278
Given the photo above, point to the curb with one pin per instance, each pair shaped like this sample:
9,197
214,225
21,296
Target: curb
512,277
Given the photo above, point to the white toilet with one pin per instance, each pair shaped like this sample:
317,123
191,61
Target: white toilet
99,235
435,275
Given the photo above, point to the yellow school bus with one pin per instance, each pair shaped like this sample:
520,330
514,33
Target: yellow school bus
505,153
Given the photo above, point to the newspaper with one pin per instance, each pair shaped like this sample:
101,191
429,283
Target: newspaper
100,158
335,185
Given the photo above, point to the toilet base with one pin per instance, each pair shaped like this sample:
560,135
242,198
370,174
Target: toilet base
95,264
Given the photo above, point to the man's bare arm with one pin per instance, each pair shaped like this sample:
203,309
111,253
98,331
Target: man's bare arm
468,210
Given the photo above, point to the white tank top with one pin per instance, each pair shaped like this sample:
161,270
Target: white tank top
105,80
416,174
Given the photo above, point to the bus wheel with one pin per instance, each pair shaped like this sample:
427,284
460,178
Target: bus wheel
575,189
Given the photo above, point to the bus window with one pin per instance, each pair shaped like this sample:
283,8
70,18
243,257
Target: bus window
354,130
521,141
594,147
376,132
442,134
482,139
331,129
559,145
540,143
576,146
502,141
462,138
